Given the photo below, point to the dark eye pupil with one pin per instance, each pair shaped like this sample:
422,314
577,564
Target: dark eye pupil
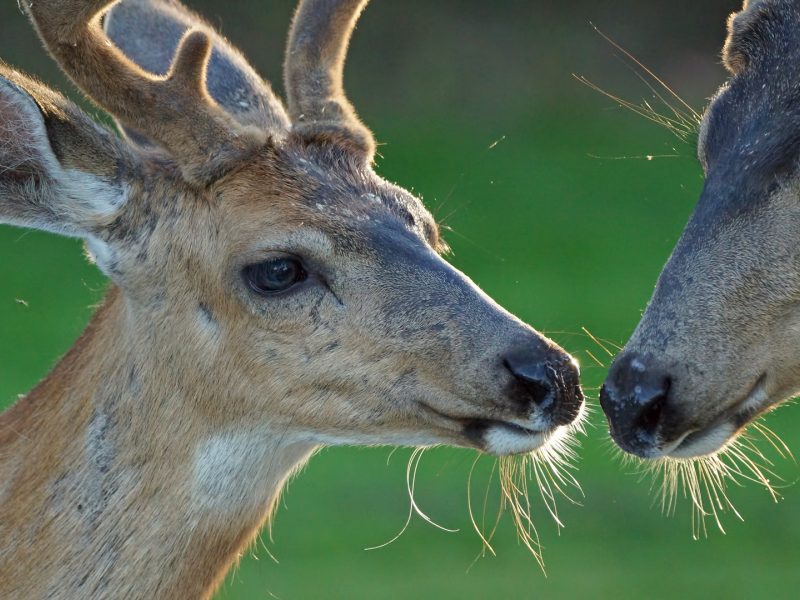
274,275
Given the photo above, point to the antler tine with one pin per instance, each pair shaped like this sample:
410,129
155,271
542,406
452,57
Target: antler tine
314,67
175,110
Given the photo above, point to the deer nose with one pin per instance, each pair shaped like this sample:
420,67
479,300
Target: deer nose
536,380
551,386
634,400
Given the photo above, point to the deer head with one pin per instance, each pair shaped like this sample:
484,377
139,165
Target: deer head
271,293
718,343
260,246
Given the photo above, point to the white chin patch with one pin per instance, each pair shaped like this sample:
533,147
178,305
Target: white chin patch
710,443
504,441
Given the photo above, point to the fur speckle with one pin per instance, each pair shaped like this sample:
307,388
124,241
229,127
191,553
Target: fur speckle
208,324
100,449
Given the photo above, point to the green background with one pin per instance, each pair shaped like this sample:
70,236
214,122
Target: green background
561,238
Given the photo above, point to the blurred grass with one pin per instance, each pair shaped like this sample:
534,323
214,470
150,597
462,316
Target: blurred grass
562,239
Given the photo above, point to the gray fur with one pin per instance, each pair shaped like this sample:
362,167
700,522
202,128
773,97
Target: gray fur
60,171
717,345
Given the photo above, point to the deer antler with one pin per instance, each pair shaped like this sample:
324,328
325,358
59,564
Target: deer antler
313,70
175,110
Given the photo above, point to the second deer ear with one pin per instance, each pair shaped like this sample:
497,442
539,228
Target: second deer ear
148,32
60,171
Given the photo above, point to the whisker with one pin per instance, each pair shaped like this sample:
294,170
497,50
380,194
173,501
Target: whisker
645,156
411,481
550,469
774,440
648,71
478,246
411,506
595,359
486,543
461,177
704,481
414,503
682,123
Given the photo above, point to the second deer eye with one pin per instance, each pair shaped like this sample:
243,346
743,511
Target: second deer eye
275,275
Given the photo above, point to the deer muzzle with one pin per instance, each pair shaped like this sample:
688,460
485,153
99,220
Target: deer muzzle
647,418
544,396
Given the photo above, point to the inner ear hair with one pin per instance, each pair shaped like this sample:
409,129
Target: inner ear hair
62,172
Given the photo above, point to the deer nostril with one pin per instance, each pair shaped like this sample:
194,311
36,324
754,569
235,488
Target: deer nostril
650,416
541,392
535,381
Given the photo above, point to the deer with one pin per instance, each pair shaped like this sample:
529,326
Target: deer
717,346
269,294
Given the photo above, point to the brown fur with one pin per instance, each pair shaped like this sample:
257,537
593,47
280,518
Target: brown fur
150,456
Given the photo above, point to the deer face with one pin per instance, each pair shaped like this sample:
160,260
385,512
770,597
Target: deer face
319,299
717,345
261,257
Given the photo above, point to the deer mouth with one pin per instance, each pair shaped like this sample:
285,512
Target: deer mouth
715,436
503,438
495,437
507,438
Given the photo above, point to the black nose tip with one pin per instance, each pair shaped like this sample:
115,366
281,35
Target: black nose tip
634,400
552,386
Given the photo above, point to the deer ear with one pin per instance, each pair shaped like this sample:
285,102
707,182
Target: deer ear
59,170
148,33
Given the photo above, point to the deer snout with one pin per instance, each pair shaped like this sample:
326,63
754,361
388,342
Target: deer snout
635,400
542,396
546,388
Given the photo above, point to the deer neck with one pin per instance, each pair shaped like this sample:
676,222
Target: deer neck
113,483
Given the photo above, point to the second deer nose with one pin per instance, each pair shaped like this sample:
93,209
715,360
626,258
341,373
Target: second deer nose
634,403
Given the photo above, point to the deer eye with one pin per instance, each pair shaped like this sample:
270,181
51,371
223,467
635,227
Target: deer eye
274,275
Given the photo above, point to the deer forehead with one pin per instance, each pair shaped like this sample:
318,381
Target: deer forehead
748,145
254,209
321,193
